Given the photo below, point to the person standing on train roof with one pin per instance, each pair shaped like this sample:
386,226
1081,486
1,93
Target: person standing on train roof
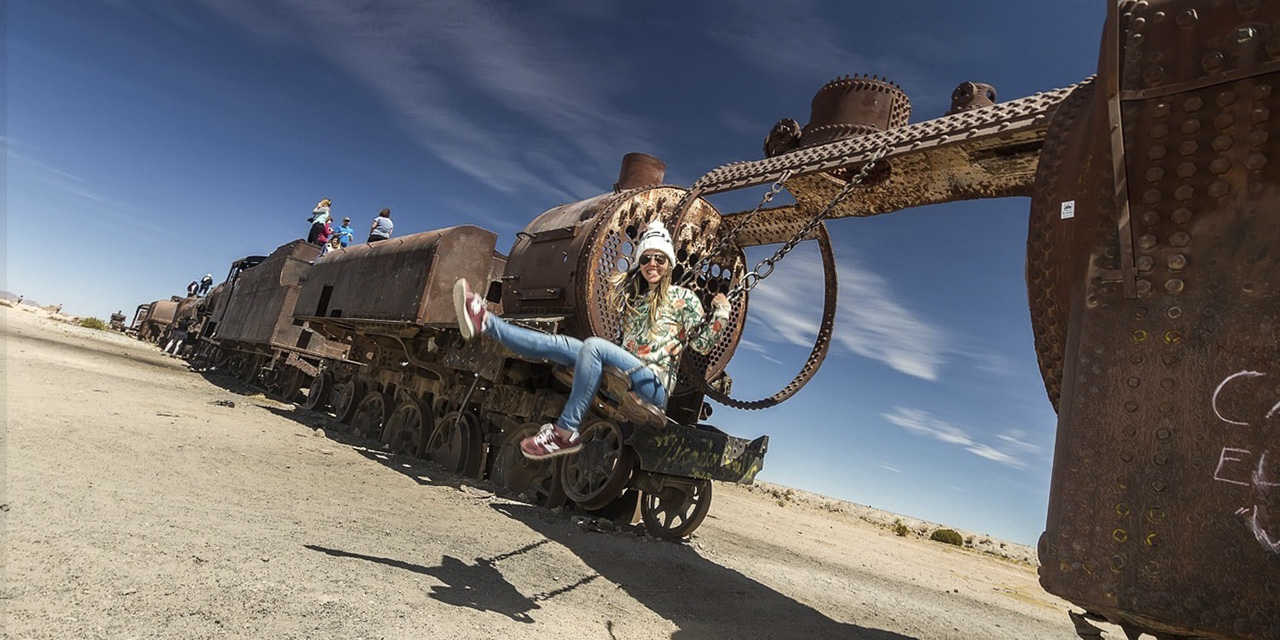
319,216
206,283
381,227
326,232
345,233
656,317
332,245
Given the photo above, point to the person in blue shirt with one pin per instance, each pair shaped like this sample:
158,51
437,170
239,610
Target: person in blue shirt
345,233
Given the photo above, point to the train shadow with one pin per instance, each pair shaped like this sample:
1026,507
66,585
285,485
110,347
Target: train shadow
701,598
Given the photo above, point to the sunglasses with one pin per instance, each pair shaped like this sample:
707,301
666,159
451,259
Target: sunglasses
656,257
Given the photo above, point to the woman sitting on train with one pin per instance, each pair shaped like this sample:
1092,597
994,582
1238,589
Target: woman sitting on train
656,316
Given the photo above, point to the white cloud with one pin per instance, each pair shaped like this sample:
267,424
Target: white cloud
889,468
870,321
1008,449
426,62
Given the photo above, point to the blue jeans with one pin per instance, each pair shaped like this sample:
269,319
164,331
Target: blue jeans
588,359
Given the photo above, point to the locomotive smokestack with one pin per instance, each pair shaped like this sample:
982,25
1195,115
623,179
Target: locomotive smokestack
640,170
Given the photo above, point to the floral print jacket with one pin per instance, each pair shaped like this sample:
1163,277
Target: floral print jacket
659,349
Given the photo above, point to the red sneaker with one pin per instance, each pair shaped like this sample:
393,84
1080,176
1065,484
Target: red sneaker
550,442
469,308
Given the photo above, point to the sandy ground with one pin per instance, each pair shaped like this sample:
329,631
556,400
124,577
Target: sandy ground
138,504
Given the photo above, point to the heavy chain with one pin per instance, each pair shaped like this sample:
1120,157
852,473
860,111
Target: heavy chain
730,237
763,269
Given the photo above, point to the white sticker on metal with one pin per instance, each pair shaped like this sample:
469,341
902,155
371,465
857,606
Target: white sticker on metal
1068,209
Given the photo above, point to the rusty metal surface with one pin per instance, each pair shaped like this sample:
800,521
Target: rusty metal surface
258,315
983,153
703,452
1164,507
406,280
972,95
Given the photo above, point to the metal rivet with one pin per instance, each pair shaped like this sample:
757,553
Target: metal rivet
1162,109
1169,359
1158,486
1261,114
1168,383
1126,456
1182,215
1255,161
1224,121
1147,241
1136,39
1222,143
1151,196
1175,312
1220,165
1145,263
1219,189
1155,515
1133,382
1177,262
1138,23
1243,35
1172,337
1151,216
1180,239
1144,288
1156,152
1187,19
1165,408
1262,91
1225,98
1174,287
1257,138
1155,174
1188,148
1139,335
1190,126
1159,131
1184,192
1163,433
1137,358
1160,458
1186,170
1192,104
1212,61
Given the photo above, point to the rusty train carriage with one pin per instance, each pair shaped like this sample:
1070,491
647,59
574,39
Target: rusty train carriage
421,390
256,332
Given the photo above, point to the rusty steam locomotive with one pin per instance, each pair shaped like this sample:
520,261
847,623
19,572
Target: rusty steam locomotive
1152,282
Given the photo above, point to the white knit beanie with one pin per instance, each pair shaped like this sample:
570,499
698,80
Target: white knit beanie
656,237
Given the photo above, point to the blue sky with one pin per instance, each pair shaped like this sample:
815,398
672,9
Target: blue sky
150,142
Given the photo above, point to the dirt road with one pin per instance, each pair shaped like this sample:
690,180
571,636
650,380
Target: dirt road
138,505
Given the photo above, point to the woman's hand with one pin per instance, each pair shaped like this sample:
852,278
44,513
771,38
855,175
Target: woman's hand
720,302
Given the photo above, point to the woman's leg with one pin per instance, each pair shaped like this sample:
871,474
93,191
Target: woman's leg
532,344
595,354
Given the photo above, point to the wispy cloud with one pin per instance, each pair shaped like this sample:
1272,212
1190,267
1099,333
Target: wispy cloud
889,468
871,322
1009,448
549,119
24,163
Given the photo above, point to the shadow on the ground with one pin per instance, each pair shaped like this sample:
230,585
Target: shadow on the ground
701,598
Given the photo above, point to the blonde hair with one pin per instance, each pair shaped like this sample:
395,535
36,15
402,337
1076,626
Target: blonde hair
324,202
629,291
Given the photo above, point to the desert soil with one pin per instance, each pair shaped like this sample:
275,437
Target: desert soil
139,504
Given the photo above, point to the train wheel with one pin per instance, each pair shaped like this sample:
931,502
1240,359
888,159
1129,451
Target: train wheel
407,427
319,391
249,373
371,415
451,441
518,474
346,397
677,510
598,474
622,509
